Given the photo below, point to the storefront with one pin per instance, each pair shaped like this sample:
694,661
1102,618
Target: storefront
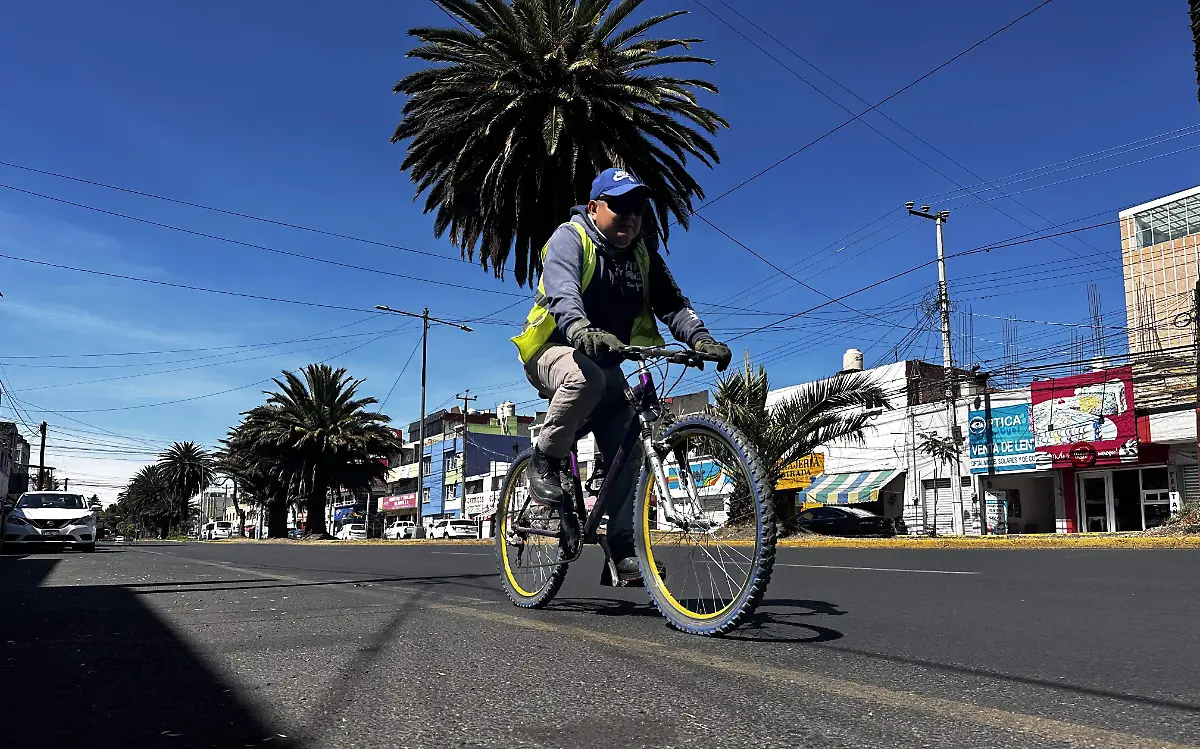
1019,497
399,507
1085,427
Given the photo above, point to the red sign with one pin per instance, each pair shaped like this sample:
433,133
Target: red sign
1085,420
399,502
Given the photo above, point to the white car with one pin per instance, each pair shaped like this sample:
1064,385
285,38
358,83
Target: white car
454,529
51,517
351,531
400,529
217,529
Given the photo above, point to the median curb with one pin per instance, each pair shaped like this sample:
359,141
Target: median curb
1048,541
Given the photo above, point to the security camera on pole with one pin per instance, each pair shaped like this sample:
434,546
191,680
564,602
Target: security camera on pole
940,218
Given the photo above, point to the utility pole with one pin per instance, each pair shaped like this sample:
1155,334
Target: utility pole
462,458
419,529
42,461
66,484
940,218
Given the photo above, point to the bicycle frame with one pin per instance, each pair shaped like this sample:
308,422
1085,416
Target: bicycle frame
647,410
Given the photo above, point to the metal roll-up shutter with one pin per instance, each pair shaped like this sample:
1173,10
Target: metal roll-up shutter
939,505
1190,483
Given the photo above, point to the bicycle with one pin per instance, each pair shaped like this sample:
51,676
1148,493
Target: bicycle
715,494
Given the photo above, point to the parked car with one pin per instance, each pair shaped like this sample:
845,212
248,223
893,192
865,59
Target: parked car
400,529
848,521
119,540
216,529
454,529
51,517
295,533
351,531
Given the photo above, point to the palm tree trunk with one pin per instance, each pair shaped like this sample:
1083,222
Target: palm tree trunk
237,509
277,517
314,505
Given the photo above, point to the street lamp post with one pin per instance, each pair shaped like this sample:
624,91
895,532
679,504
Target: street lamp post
419,529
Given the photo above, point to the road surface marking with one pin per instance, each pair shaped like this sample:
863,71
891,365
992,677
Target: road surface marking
464,553
1052,729
876,569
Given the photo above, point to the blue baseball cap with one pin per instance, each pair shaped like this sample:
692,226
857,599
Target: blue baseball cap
614,182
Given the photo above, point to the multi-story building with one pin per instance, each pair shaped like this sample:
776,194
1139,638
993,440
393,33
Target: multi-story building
492,441
14,461
1160,253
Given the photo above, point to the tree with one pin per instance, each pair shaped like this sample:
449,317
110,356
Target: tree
943,450
529,101
147,500
312,435
1194,11
187,470
232,467
836,409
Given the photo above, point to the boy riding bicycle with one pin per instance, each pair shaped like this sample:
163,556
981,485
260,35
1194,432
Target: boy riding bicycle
601,289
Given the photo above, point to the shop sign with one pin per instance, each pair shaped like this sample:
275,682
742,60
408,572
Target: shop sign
1012,446
996,501
1085,420
398,502
399,473
800,474
482,502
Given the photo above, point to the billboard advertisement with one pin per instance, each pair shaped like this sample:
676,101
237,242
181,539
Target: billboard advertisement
1012,445
1085,420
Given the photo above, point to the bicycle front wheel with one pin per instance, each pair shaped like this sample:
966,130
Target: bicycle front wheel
706,552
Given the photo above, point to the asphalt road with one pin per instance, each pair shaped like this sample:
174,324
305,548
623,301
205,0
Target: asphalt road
283,645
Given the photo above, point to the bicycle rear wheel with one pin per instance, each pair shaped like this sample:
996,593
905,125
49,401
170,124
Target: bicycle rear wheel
706,558
531,566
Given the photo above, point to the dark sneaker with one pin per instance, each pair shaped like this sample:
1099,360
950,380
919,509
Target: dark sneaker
545,480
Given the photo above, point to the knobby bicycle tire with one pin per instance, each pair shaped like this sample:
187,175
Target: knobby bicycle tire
763,561
516,593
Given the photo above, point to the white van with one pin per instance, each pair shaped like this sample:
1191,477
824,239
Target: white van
400,529
217,529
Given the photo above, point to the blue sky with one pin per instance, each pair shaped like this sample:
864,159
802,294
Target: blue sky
284,110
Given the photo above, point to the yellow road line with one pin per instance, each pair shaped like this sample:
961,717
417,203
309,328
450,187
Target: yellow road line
1050,729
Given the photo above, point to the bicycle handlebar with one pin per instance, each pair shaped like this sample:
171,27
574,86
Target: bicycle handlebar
686,357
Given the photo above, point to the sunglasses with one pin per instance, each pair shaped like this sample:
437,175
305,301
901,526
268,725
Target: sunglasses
625,206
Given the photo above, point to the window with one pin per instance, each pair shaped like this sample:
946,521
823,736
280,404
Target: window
425,496
427,465
449,461
496,481
451,491
1167,222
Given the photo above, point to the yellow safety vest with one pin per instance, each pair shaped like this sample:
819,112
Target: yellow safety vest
539,323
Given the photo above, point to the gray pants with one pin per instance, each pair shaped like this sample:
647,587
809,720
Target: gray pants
577,387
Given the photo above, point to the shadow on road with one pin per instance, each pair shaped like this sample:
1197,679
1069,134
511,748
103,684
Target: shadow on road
92,666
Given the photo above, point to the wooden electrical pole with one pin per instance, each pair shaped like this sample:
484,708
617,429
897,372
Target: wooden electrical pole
42,461
462,458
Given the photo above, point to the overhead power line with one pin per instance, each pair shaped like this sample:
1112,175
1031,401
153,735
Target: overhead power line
264,248
873,107
238,214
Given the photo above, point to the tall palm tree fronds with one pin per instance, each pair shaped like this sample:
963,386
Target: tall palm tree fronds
187,470
1194,11
528,100
836,409
315,434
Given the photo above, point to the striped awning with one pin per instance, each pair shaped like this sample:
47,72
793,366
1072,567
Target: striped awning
847,488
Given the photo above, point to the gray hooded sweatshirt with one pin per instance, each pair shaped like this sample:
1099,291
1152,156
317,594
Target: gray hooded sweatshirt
614,297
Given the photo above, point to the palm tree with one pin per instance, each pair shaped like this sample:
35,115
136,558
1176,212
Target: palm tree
147,500
837,409
1194,11
314,435
231,466
529,101
187,470
943,450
